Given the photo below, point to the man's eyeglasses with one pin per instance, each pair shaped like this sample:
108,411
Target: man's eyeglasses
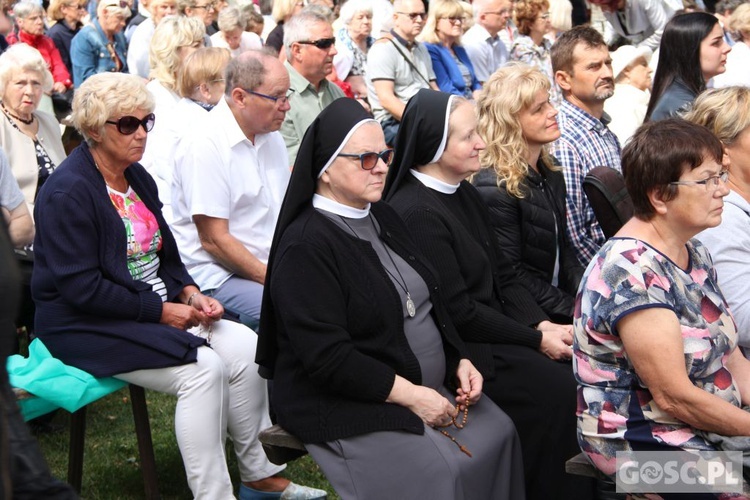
413,15
276,99
322,44
128,125
710,183
369,160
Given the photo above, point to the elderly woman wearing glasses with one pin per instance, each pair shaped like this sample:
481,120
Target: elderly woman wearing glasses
68,15
531,46
368,369
442,37
101,46
655,349
114,299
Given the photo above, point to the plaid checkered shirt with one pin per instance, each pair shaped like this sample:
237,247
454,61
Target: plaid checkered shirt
585,143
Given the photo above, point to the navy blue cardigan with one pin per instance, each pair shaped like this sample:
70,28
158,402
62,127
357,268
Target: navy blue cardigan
90,313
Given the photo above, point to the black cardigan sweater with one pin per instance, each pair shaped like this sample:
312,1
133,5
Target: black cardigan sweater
486,302
340,330
529,231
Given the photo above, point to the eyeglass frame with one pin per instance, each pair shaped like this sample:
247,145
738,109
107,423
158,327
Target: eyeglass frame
208,6
151,117
329,42
722,176
413,15
284,99
361,157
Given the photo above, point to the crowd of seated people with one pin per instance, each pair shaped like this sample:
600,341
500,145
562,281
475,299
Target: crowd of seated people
398,223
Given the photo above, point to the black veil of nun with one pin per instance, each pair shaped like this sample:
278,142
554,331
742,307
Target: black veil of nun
322,142
421,137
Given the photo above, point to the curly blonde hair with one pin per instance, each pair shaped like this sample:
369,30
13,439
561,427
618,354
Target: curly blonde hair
104,96
508,91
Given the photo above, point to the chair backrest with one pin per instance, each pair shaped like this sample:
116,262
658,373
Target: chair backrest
605,189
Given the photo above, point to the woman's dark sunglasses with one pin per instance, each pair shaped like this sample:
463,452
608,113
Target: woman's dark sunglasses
322,44
370,159
128,125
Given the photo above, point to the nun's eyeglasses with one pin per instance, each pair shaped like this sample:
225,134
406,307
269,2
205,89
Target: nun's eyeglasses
369,160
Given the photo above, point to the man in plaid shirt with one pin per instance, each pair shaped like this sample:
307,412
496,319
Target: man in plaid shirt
583,70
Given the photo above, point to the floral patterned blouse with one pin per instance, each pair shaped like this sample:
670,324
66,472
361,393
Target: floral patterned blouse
143,237
360,58
616,411
525,50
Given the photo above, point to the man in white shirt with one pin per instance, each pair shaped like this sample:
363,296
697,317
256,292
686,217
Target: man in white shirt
229,182
482,42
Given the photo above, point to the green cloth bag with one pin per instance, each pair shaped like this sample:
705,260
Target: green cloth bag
53,383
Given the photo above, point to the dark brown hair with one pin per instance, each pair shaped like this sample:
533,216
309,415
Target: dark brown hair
659,153
562,50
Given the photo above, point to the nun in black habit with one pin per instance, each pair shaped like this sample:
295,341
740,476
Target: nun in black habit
509,338
367,367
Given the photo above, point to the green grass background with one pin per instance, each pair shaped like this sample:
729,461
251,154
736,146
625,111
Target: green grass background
111,467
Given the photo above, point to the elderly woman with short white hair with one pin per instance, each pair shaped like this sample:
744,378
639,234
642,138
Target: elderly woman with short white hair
101,46
30,20
632,74
353,40
232,34
114,298
31,138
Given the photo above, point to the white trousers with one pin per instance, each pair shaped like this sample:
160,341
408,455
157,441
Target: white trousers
220,392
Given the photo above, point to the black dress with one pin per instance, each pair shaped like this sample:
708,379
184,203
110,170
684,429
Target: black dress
494,315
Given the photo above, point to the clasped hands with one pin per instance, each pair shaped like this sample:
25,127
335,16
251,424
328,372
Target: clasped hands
203,310
557,340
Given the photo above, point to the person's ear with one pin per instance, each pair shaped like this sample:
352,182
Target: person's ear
96,135
296,51
205,94
238,97
656,197
562,78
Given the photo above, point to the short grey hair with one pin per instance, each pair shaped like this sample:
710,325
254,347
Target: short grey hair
352,7
298,28
22,57
248,70
230,18
25,8
104,96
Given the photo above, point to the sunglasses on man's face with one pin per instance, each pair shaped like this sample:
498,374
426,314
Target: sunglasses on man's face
128,125
322,44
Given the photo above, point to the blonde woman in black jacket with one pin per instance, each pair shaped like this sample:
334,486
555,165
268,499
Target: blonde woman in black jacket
524,190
